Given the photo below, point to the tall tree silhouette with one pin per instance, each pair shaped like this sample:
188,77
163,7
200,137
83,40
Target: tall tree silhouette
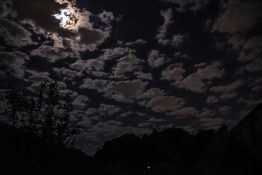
46,116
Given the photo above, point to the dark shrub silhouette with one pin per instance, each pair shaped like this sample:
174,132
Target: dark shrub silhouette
46,116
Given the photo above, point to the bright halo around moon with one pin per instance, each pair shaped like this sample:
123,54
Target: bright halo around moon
67,19
71,17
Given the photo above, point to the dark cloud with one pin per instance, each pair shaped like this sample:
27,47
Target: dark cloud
14,34
13,63
185,5
237,11
89,36
239,19
51,53
40,12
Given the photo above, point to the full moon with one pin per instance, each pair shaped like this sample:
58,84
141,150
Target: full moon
67,19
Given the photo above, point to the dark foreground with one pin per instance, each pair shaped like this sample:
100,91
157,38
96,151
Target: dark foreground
169,152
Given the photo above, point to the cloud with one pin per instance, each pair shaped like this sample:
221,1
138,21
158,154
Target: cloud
67,74
127,91
108,110
195,82
184,112
225,109
13,62
126,64
13,59
173,73
235,12
212,99
143,76
162,32
133,43
177,40
232,87
14,34
221,98
6,8
96,84
153,93
117,52
80,102
250,52
206,113
156,59
52,54
188,5
165,103
106,18
88,66
238,19
211,122
39,77
228,96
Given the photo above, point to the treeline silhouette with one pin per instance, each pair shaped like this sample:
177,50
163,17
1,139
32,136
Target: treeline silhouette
172,151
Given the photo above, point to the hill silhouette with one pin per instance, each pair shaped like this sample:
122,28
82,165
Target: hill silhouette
169,152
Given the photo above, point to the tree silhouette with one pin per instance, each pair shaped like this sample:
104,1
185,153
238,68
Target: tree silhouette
46,116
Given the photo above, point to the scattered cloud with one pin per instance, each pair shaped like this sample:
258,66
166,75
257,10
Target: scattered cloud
166,103
127,91
52,54
195,81
184,112
156,59
173,72
232,87
14,34
235,12
13,63
162,32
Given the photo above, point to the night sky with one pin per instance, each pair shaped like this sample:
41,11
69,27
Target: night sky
135,65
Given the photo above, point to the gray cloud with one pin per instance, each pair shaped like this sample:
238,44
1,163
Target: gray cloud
166,103
14,34
173,72
237,19
162,32
232,87
13,62
195,82
212,99
237,11
126,64
80,102
127,91
96,84
67,74
156,59
52,54
116,52
184,112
